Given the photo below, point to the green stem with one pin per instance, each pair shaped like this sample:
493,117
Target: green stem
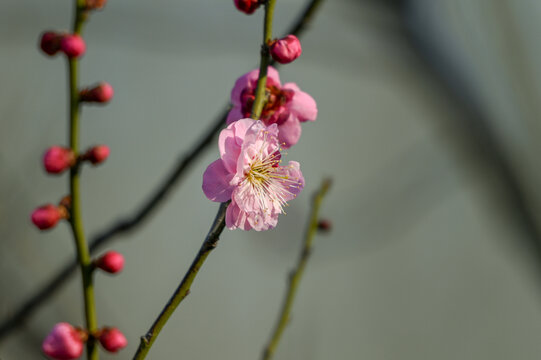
76,221
296,274
259,101
184,288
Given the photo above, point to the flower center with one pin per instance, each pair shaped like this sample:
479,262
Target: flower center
268,183
275,99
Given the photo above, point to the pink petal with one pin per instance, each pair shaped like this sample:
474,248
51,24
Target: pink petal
246,81
216,182
236,218
230,142
234,114
293,171
289,132
302,105
273,78
249,81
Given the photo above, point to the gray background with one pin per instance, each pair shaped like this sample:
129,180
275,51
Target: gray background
427,259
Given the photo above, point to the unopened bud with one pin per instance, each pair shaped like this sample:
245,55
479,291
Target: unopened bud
95,4
101,93
57,159
247,6
112,339
72,45
111,262
64,342
50,42
286,49
97,154
47,216
324,225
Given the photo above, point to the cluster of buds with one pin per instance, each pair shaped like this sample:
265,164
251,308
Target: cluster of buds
58,159
66,342
72,45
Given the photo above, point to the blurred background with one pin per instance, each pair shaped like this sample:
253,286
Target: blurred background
428,124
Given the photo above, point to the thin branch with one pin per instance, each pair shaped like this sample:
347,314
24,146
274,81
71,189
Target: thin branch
184,288
155,199
76,219
296,275
259,101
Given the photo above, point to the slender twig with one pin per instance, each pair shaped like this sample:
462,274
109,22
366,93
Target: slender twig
296,275
260,97
155,199
184,288
76,221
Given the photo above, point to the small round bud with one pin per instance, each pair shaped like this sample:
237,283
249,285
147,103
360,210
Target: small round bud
64,342
111,262
286,49
50,42
112,339
247,6
47,216
97,154
101,93
72,45
324,225
95,4
57,159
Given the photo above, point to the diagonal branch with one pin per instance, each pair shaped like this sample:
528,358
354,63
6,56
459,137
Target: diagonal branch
210,243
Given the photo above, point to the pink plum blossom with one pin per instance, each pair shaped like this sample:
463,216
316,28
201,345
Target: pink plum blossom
250,175
286,106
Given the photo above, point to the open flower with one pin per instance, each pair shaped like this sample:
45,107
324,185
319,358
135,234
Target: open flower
286,106
250,175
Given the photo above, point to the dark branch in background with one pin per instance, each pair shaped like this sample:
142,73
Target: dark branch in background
474,129
132,222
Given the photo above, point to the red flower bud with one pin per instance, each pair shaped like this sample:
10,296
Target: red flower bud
47,216
64,342
247,6
286,49
112,339
324,225
101,93
57,159
73,45
95,4
97,154
111,262
50,42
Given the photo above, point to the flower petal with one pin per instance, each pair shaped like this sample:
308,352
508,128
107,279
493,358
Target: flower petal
289,132
216,182
296,180
234,114
230,142
302,105
236,218
246,81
